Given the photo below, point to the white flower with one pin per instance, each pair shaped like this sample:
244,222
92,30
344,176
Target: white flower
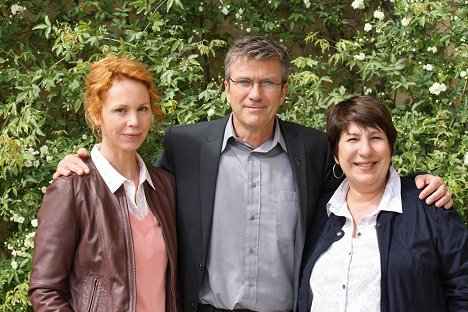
225,11
28,163
436,88
405,21
241,11
463,74
367,27
200,8
379,15
466,159
44,150
15,8
210,112
248,29
428,67
358,4
432,49
43,189
361,56
14,264
20,220
367,91
29,240
34,223
307,3
84,137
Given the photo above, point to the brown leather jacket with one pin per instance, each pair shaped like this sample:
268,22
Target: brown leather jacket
83,256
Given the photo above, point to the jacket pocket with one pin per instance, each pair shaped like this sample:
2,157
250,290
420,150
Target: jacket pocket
91,303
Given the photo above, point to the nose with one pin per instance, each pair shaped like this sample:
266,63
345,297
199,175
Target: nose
255,92
132,120
365,148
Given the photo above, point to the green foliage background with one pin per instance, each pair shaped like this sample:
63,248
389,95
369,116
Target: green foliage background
46,47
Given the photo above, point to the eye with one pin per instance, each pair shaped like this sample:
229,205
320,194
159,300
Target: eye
245,83
119,110
268,83
143,109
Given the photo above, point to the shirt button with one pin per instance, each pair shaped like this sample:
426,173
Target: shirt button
251,250
201,267
359,234
253,185
250,284
344,286
338,233
252,217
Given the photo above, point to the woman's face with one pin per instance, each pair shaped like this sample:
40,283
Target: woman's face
126,116
365,156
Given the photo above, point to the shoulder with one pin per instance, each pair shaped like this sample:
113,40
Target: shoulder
159,174
199,127
161,178
304,133
292,126
75,179
415,206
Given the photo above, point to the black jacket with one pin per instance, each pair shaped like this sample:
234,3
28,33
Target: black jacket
192,153
423,251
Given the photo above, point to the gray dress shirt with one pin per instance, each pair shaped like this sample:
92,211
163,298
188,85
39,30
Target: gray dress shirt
251,256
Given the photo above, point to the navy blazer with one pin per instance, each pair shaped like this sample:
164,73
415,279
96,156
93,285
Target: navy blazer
423,251
192,153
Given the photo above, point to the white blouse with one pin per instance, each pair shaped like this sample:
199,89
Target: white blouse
346,277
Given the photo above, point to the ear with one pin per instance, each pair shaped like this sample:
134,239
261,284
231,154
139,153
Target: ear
227,89
336,160
284,91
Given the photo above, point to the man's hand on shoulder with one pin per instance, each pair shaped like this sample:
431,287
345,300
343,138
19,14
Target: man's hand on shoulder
72,163
434,190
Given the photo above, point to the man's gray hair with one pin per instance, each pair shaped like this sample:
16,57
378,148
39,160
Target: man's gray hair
258,48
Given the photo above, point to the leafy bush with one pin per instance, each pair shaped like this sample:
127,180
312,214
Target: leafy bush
411,54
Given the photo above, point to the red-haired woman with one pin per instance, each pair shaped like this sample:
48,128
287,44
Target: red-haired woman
107,241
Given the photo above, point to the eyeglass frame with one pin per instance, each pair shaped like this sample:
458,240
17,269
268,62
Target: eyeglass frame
260,83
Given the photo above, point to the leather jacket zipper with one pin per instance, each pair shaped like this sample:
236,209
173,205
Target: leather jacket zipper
93,294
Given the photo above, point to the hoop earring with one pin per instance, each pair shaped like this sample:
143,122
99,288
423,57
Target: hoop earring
334,174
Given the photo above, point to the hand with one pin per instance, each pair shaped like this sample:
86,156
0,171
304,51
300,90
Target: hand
436,188
72,164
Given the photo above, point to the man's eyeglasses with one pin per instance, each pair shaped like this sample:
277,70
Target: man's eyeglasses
247,84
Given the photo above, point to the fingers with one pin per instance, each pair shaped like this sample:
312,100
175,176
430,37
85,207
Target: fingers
61,172
82,153
430,184
449,204
71,164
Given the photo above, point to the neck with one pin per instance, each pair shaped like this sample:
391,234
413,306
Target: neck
361,204
253,136
124,163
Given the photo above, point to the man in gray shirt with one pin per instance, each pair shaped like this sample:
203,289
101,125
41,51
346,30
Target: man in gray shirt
247,187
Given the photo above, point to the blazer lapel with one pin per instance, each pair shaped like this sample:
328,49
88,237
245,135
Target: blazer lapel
210,153
297,158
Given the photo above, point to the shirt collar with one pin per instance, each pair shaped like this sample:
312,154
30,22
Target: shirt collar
111,176
277,137
391,199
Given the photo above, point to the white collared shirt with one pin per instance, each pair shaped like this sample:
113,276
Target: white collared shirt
137,204
347,276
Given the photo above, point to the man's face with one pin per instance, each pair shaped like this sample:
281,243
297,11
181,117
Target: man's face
254,109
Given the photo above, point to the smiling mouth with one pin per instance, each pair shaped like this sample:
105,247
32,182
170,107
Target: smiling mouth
366,165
